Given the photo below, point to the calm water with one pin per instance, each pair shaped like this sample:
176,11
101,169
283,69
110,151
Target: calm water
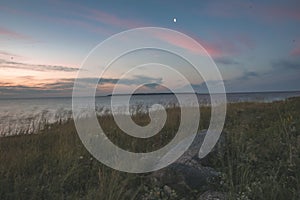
29,115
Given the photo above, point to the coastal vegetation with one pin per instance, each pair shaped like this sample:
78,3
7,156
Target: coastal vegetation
260,158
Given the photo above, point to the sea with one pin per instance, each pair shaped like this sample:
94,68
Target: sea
27,116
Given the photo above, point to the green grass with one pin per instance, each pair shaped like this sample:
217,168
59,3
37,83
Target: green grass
261,159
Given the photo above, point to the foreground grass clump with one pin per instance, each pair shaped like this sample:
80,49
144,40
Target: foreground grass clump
260,158
262,154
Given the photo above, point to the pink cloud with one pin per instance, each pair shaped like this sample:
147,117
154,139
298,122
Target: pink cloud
295,51
84,25
224,45
100,16
188,45
228,10
212,49
7,55
269,12
245,40
111,19
281,13
230,46
218,47
67,21
12,34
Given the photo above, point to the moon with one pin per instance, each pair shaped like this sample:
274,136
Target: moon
174,20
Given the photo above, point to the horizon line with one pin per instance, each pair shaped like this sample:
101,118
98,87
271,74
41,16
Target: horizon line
152,93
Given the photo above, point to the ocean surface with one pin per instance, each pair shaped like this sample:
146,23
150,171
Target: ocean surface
29,115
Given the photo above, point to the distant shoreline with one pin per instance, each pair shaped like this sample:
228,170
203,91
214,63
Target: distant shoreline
137,94
143,94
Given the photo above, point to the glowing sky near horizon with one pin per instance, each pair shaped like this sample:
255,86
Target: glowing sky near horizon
43,43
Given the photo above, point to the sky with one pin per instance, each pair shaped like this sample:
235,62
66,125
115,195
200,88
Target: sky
255,44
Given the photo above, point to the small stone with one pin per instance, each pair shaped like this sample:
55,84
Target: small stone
212,195
167,190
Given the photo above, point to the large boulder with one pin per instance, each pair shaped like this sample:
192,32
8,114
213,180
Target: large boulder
188,173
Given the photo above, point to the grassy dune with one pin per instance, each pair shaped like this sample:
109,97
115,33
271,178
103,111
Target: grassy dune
261,159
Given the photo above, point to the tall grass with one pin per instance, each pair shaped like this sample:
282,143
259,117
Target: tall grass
259,161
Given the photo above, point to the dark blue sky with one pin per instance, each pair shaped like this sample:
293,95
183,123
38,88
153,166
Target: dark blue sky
255,44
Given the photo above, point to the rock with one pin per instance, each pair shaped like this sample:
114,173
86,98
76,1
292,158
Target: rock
167,190
212,195
158,193
188,173
191,155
